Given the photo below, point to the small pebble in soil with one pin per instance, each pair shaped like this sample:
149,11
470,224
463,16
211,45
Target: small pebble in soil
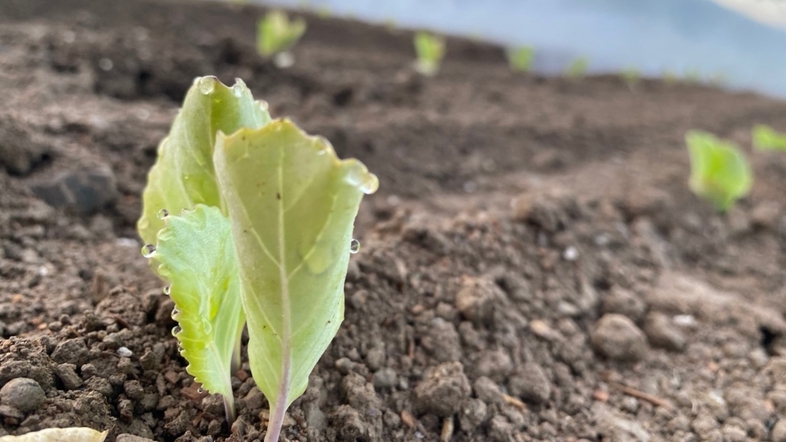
24,394
443,390
617,337
624,302
662,333
67,374
124,352
530,384
779,431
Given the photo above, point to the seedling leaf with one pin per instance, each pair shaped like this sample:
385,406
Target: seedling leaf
276,33
196,255
183,174
767,138
292,204
430,49
520,59
719,171
577,68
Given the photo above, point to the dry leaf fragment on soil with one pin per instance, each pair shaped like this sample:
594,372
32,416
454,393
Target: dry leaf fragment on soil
59,435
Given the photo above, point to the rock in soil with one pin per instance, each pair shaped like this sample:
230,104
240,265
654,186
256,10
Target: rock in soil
24,394
443,391
83,190
662,332
617,337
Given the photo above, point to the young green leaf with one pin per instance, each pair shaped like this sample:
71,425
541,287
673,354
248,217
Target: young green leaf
195,253
182,178
631,76
430,49
719,171
767,138
276,33
292,204
183,175
577,68
520,59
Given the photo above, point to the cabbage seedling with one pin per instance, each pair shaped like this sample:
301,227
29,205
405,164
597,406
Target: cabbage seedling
577,68
767,138
719,171
430,49
277,34
631,76
520,59
250,219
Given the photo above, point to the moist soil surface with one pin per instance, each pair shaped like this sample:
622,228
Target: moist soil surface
533,267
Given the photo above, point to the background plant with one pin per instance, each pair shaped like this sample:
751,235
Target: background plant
719,170
430,50
276,33
520,59
631,76
577,68
766,138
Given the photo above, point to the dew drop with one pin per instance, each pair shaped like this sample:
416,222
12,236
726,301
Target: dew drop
354,246
263,105
163,213
148,250
360,177
167,290
175,330
238,88
200,390
175,313
206,85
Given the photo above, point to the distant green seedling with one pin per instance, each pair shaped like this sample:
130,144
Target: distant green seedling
249,220
578,68
520,59
719,171
276,35
631,76
767,138
430,50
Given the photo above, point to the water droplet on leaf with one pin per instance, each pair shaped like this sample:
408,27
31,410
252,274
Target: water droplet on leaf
175,330
239,87
207,85
200,390
360,177
354,246
148,250
175,313
167,290
163,213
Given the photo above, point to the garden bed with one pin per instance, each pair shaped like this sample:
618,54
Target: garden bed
533,267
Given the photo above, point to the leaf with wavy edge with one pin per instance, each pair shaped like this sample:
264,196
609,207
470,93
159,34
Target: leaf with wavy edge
196,254
292,205
183,175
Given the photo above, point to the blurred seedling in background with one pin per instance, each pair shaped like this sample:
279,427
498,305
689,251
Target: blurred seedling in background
248,219
766,138
631,76
276,35
430,50
719,170
578,68
670,77
324,12
521,58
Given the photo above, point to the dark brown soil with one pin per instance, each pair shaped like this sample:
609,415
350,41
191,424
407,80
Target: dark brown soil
533,267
